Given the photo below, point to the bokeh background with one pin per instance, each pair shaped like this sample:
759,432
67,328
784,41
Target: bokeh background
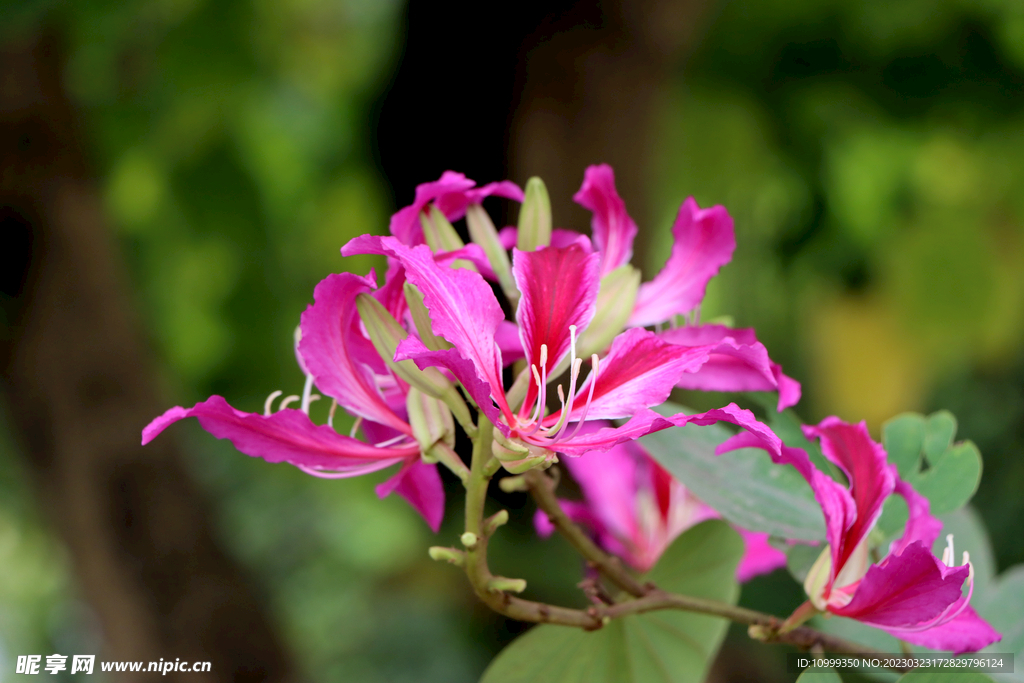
189,169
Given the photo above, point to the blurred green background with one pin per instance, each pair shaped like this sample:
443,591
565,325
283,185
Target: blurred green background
872,155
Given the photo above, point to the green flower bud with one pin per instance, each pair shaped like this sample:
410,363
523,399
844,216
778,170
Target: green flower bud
385,334
534,217
615,300
483,232
430,419
421,318
518,457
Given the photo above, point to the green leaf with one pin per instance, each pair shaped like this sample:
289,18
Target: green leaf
944,677
952,479
819,675
903,439
1002,605
800,558
744,486
938,435
661,647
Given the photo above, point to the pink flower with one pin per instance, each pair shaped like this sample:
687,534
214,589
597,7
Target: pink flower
635,508
909,593
559,288
343,364
451,194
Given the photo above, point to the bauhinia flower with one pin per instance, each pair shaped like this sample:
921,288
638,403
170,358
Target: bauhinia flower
635,509
558,287
341,361
909,593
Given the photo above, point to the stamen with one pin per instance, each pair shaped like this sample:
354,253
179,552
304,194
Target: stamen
306,390
543,355
291,399
948,554
563,420
595,363
330,414
268,405
322,474
355,426
390,442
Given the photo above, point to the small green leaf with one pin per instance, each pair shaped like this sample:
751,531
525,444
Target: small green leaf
938,435
819,675
744,485
800,558
952,479
903,438
661,647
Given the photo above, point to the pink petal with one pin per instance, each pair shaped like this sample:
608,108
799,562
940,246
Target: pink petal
285,436
871,478
473,253
967,632
639,371
559,289
759,557
332,344
503,188
921,526
704,242
608,481
463,310
613,229
507,339
789,388
405,223
905,590
732,365
420,484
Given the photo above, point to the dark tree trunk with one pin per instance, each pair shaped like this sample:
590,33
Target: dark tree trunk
80,387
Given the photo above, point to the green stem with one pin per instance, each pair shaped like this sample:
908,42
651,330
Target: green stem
450,459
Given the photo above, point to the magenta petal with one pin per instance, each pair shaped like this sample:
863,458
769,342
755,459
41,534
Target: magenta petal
704,242
921,526
639,371
420,484
905,590
789,388
473,253
967,632
732,365
405,223
613,229
507,339
559,289
465,371
608,481
463,310
331,343
759,556
285,436
503,188
871,478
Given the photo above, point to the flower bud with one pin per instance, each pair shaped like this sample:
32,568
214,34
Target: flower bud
518,457
483,232
439,233
534,217
817,578
421,318
615,300
430,419
385,334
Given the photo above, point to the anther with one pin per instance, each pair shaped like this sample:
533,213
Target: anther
330,414
290,399
268,405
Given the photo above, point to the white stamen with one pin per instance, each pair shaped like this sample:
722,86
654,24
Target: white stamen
543,355
306,391
330,414
948,554
563,420
595,368
290,399
268,405
355,426
390,442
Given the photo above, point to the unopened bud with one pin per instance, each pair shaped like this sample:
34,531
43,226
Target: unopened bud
483,232
517,457
385,334
500,583
469,539
430,419
438,232
451,555
421,318
615,301
499,518
534,217
817,578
